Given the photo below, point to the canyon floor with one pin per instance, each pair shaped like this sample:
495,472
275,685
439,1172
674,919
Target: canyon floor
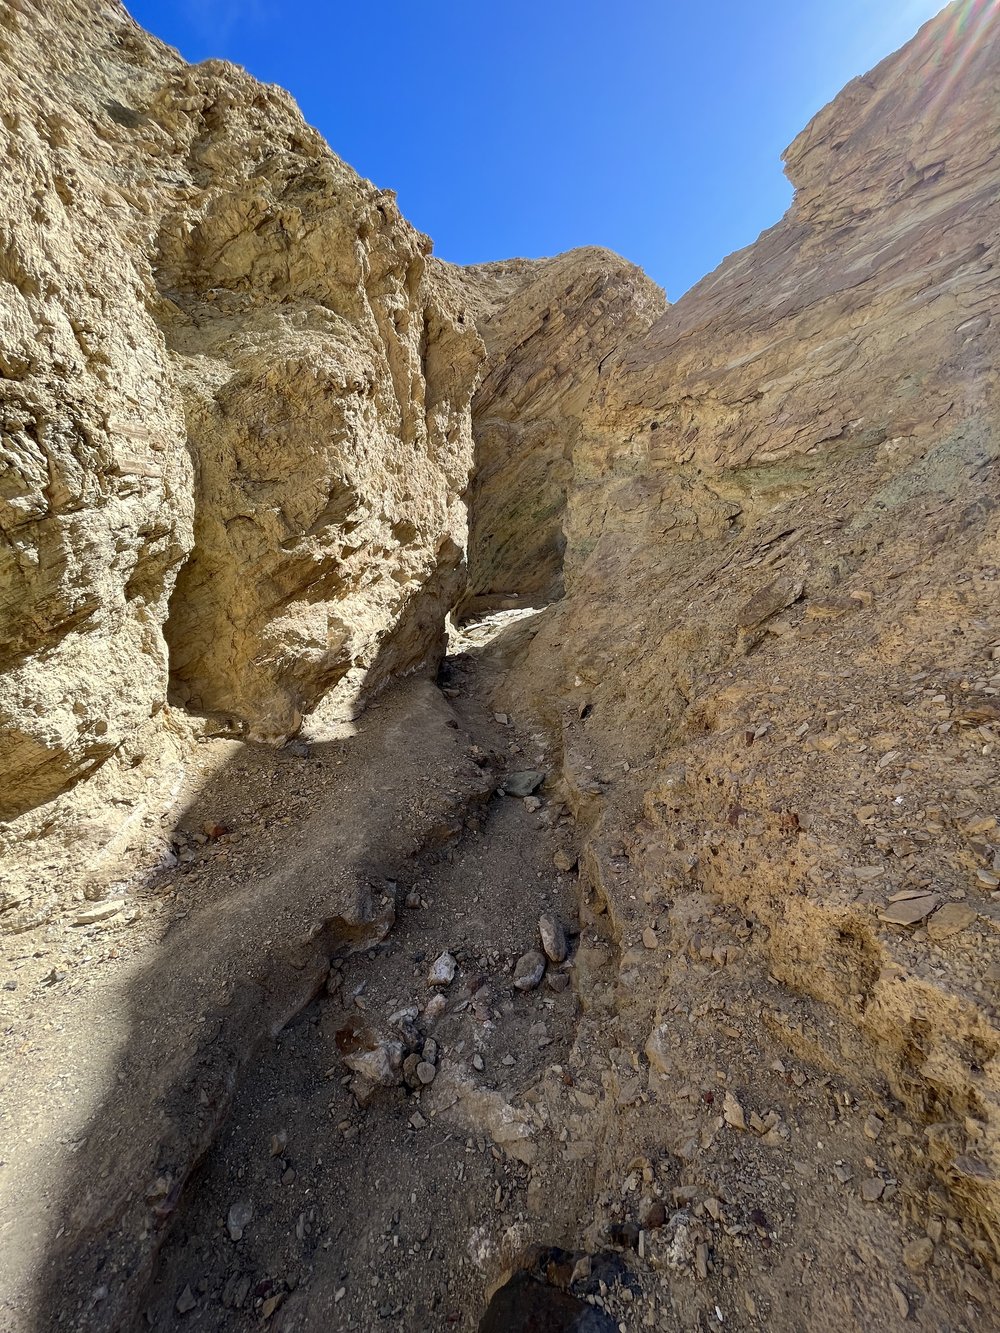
291,1191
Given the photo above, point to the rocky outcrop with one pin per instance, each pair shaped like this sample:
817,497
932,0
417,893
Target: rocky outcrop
235,413
552,329
775,679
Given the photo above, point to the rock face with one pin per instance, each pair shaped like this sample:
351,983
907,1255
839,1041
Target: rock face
552,328
781,629
234,409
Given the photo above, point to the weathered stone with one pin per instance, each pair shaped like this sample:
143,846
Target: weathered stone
553,935
529,970
523,784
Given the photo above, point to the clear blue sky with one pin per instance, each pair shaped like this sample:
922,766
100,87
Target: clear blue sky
510,127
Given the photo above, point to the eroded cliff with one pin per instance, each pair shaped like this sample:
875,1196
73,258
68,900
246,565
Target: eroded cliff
236,423
774,680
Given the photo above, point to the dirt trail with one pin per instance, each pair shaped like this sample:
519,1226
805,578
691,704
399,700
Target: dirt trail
391,1203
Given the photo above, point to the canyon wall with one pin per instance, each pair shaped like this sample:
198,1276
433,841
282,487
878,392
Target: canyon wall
235,422
775,679
550,327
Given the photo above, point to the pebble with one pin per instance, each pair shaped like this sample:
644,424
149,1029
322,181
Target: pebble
442,972
732,1112
873,1127
430,1051
435,1007
532,804
99,912
871,1189
185,1301
918,1253
413,899
909,911
949,920
279,1142
523,784
564,861
558,981
550,928
240,1217
649,938
477,1063
426,1072
529,970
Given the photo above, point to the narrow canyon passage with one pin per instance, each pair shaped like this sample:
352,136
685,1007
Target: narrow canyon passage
347,1203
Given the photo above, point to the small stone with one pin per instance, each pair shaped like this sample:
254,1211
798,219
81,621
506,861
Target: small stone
872,1127
288,1177
529,970
507,1060
443,971
918,1254
949,920
732,1112
413,900
649,938
417,1121
430,1051
185,1301
564,861
477,1063
550,928
902,1304
240,1217
271,1304
435,1007
279,1142
910,911
426,1072
379,1065
99,912
410,1077
213,829
655,1216
532,804
502,718
558,981
871,1189
523,784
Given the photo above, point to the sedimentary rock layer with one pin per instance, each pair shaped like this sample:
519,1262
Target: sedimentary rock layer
777,690
552,329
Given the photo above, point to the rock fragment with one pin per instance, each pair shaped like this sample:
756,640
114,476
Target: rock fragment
732,1112
99,912
553,936
442,972
239,1218
909,911
524,783
529,970
918,1254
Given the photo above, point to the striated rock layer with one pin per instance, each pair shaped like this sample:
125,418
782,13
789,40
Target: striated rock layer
235,415
774,679
551,329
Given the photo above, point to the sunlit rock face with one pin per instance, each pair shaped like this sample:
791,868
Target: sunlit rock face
774,677
235,409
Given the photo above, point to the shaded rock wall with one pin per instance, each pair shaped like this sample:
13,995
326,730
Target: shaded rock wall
551,328
235,409
774,681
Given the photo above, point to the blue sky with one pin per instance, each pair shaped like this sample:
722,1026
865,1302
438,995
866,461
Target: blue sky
511,127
